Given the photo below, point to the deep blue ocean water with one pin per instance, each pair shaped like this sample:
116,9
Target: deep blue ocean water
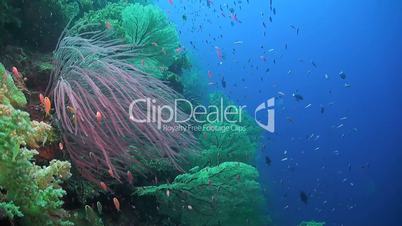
351,174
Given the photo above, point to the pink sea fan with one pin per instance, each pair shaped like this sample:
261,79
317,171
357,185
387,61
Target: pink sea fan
92,74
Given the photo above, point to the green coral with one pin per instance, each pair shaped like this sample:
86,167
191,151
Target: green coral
28,189
147,27
234,138
9,209
9,93
111,14
227,194
222,142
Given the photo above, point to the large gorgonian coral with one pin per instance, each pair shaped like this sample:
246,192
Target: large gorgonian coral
147,28
222,142
227,194
93,76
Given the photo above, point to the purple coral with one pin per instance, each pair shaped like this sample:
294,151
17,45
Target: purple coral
92,74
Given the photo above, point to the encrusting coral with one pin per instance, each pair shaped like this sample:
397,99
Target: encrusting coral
29,191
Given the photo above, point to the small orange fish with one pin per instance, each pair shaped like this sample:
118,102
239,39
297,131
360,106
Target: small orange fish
61,146
130,177
103,186
71,110
116,204
41,99
98,116
110,171
47,105
16,73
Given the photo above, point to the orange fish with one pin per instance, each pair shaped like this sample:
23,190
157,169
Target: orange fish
41,98
110,171
130,177
103,186
116,203
47,105
61,146
16,73
71,110
98,116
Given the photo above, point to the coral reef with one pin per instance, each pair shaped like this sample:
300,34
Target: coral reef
10,94
235,139
227,194
147,28
92,76
222,142
112,53
29,191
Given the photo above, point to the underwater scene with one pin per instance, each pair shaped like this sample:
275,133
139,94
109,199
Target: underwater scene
201,112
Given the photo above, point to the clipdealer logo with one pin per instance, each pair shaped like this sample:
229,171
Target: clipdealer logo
269,106
165,114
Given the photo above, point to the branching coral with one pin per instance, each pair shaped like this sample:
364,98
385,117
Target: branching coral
93,76
227,194
9,93
28,190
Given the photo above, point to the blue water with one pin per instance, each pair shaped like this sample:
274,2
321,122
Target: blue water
351,173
